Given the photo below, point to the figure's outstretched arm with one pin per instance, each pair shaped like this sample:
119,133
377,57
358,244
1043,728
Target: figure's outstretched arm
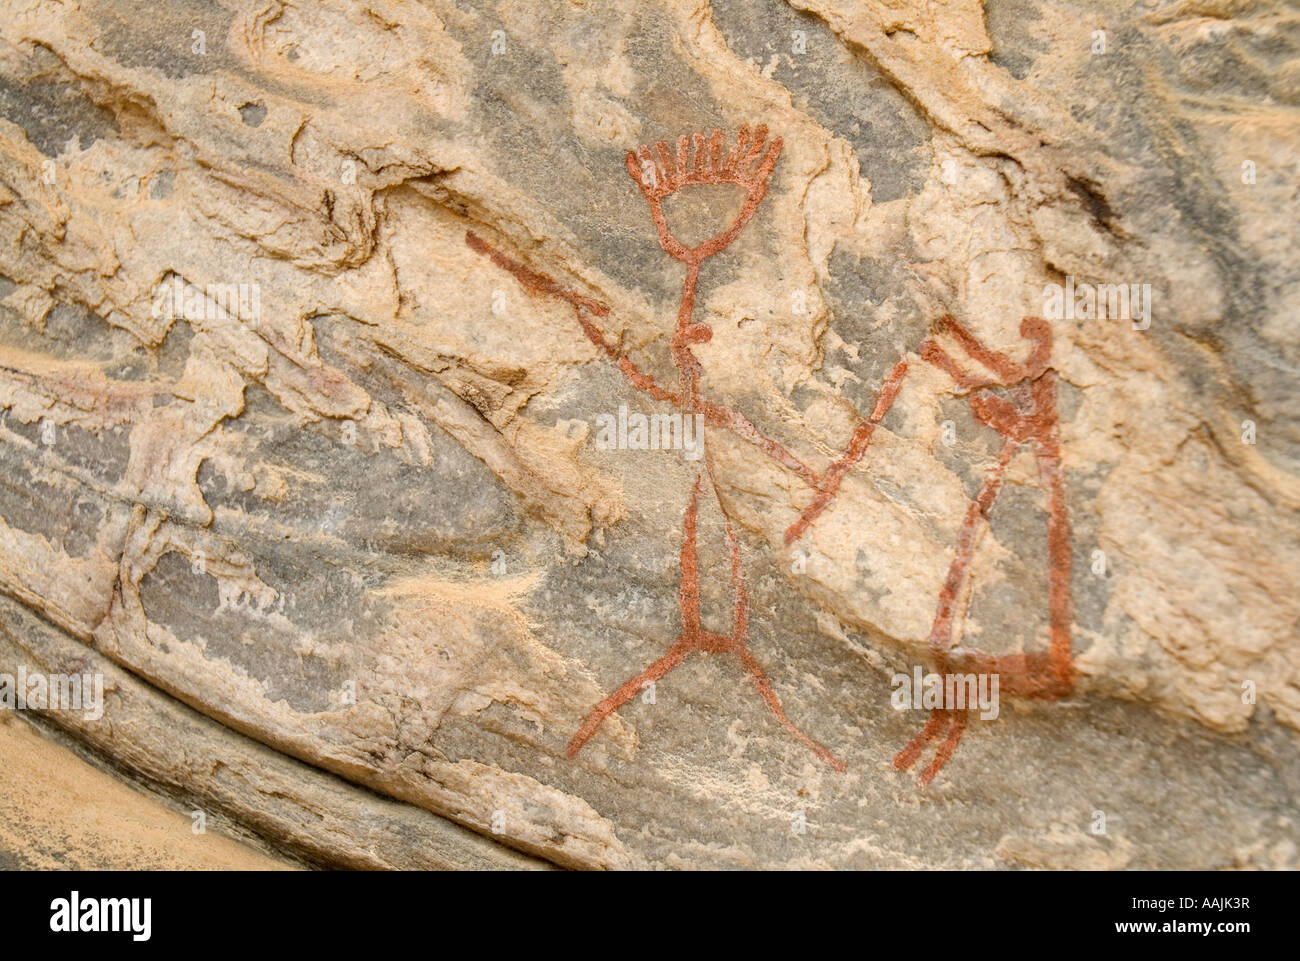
715,415
536,283
828,485
990,409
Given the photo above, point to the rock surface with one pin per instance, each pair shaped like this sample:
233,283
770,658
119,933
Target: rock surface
319,486
58,812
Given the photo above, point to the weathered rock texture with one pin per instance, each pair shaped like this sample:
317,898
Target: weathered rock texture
357,569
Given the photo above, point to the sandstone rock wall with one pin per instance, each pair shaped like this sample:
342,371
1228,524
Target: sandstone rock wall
300,465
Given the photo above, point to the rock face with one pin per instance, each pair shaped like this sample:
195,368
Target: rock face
57,812
330,337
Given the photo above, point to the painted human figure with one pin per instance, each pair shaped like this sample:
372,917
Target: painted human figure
697,161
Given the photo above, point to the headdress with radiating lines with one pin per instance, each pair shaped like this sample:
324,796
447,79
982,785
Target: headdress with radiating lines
700,160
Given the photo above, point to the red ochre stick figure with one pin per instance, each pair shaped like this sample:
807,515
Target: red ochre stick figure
1029,418
697,160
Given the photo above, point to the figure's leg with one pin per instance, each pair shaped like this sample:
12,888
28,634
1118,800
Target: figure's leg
941,631
689,598
688,592
943,720
676,654
935,725
739,641
956,729
764,686
1058,532
740,602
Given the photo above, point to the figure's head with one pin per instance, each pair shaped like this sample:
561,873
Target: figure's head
700,160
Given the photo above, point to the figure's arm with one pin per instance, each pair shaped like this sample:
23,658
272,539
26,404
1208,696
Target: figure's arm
536,283
992,411
715,415
1009,372
828,484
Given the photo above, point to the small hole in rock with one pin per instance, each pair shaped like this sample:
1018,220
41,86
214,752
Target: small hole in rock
253,114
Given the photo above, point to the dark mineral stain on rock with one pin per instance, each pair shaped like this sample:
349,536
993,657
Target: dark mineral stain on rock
249,634
51,107
871,310
361,493
184,37
837,88
1176,193
56,509
1010,24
